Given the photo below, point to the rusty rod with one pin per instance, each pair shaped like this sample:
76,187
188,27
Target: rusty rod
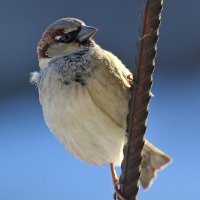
138,105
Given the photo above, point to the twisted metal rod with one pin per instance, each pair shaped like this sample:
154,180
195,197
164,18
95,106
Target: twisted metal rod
138,105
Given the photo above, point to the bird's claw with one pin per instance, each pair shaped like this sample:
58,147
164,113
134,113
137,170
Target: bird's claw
117,195
130,79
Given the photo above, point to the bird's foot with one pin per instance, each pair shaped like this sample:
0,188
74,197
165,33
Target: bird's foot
130,79
117,194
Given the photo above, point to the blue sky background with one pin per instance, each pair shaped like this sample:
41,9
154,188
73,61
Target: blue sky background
33,164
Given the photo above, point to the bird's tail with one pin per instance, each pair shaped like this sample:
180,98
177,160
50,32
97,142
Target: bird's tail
153,160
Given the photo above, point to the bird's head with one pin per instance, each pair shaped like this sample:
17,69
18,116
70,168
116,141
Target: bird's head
62,38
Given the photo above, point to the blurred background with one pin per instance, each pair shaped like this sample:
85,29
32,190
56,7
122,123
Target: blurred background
33,164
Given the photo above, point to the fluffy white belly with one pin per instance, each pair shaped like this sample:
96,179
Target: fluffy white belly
81,126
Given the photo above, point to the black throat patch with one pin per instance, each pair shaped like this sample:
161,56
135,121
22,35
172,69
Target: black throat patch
75,67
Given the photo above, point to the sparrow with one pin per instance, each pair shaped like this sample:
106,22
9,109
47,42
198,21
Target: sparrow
84,92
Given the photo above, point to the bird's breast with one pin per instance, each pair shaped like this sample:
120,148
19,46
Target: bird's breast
79,124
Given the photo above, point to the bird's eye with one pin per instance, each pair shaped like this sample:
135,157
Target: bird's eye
65,38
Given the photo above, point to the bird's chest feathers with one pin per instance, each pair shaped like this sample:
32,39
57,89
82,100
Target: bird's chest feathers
66,106
74,68
61,87
80,125
75,116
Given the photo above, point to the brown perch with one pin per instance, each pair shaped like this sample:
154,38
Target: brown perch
138,105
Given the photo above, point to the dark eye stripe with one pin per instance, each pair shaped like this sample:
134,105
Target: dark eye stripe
68,37
65,38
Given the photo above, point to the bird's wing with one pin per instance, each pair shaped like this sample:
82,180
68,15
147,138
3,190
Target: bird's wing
110,88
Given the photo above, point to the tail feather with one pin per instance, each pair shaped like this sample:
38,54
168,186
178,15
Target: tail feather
153,160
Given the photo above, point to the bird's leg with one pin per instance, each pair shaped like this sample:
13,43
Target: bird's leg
131,80
116,183
114,175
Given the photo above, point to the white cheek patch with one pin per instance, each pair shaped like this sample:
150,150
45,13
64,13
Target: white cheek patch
62,49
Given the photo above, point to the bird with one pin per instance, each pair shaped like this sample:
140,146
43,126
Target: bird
84,92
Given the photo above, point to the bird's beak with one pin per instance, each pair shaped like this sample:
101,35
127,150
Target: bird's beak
86,33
